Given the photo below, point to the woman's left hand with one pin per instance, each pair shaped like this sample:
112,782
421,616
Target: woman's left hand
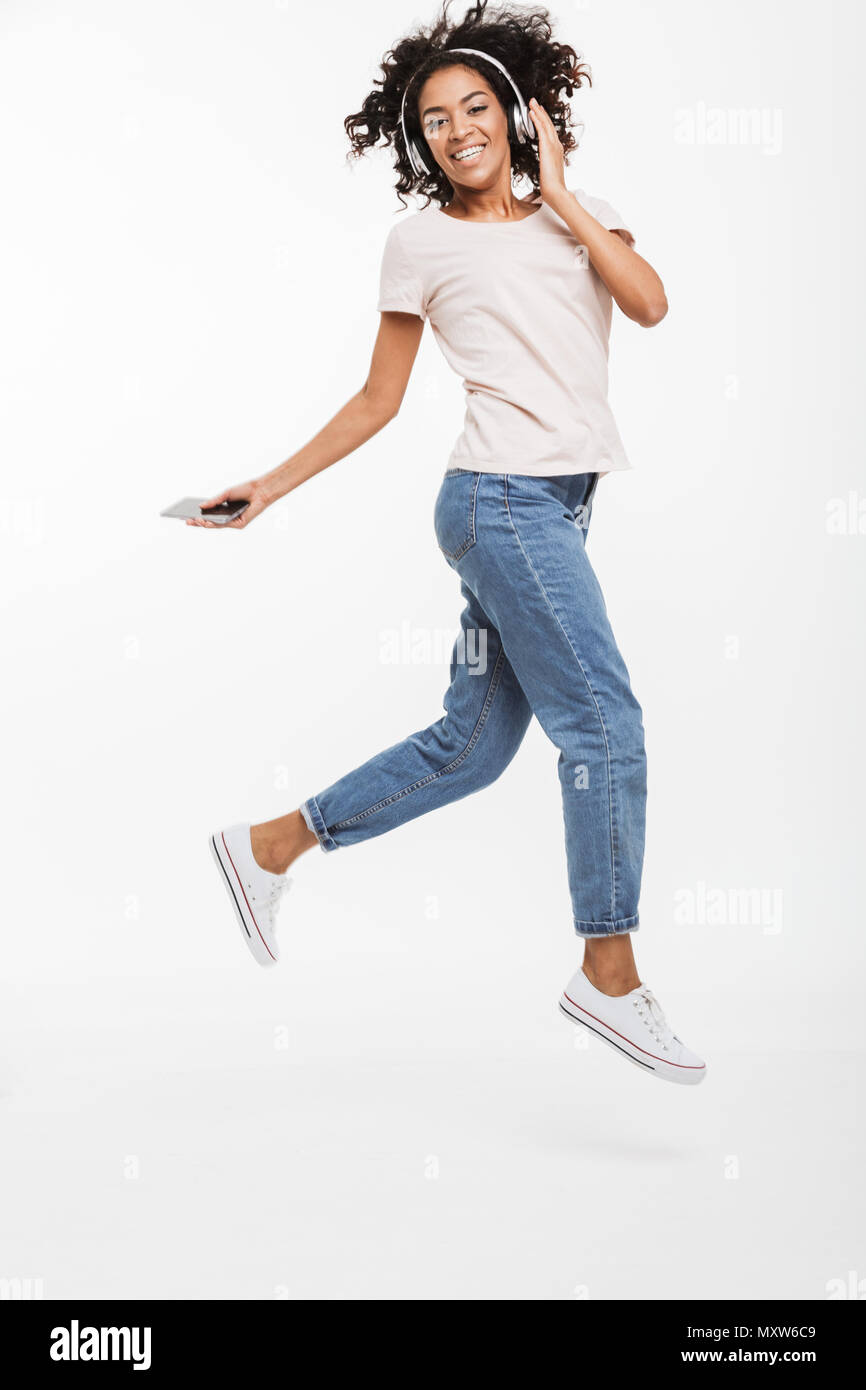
551,156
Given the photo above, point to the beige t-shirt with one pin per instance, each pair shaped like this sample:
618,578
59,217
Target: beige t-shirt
524,319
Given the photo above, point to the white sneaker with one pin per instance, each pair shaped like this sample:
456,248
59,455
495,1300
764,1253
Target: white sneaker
255,893
634,1024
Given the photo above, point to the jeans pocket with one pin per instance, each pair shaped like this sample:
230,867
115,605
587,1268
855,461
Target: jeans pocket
454,514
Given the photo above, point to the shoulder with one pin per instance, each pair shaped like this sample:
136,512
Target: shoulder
411,225
413,238
604,212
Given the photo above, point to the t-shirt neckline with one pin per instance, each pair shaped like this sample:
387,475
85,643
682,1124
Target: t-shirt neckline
512,222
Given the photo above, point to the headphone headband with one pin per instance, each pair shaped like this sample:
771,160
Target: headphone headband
522,121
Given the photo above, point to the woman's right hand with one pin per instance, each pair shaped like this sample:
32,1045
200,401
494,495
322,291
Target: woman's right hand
253,492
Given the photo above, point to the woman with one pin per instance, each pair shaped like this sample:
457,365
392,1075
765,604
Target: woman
518,293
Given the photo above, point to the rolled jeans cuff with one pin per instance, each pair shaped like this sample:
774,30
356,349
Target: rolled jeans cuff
315,822
615,928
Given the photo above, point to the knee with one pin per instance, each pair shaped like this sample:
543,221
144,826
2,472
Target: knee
621,719
602,734
478,756
493,755
630,742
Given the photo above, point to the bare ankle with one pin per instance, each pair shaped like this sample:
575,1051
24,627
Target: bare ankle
277,844
612,981
609,964
267,854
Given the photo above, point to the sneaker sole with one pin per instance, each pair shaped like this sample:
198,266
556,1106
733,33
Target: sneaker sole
665,1071
251,934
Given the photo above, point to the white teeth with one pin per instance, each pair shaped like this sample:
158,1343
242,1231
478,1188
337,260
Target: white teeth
467,154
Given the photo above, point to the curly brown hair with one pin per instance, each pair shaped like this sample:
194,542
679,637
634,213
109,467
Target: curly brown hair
520,38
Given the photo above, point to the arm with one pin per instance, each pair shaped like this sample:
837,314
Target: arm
363,415
631,280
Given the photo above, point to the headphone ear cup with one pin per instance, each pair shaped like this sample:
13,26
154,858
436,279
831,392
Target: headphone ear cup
516,124
520,123
524,122
417,160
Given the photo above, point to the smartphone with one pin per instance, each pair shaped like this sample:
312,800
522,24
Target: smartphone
191,508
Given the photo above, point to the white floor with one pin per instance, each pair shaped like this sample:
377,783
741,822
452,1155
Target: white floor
383,1126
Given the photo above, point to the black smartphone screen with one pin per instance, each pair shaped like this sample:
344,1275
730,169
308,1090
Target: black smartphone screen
225,509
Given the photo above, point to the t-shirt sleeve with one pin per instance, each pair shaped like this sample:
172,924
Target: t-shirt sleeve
400,286
607,215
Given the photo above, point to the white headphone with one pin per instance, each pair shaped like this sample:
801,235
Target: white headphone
520,126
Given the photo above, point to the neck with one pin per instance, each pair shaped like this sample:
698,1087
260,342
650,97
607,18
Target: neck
487,205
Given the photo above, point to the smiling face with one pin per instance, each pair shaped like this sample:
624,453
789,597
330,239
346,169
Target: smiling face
465,126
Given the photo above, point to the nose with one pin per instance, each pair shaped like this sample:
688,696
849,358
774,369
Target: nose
464,138
459,133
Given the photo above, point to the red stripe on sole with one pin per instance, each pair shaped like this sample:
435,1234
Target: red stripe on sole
246,899
684,1066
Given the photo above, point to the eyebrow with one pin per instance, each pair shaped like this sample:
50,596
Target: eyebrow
427,110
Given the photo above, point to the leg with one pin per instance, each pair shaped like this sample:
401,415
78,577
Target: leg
527,562
609,963
486,717
278,843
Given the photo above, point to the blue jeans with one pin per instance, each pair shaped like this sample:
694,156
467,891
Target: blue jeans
535,639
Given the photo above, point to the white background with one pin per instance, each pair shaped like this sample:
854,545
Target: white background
189,275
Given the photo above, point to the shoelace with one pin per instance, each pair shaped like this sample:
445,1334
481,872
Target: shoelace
650,1013
273,899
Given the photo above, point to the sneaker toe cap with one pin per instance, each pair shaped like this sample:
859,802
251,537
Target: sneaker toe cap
684,1057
